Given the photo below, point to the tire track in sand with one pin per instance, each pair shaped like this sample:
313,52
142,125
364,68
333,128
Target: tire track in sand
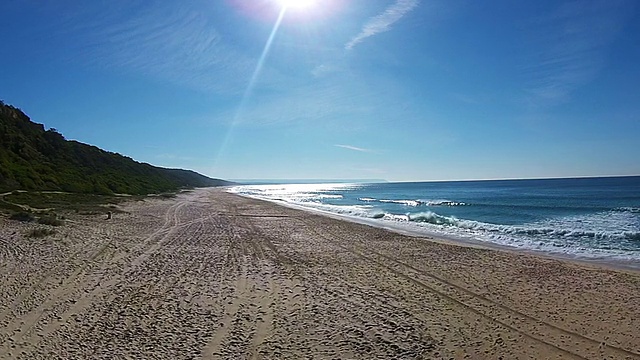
22,327
249,309
535,329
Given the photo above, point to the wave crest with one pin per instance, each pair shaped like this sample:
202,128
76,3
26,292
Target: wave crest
445,203
413,203
433,218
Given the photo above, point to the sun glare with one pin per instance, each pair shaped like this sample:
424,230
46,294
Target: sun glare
297,4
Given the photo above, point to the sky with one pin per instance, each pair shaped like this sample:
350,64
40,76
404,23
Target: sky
400,90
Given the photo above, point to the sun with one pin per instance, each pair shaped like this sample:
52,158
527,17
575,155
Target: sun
297,4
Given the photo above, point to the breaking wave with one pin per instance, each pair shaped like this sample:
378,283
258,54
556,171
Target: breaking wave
415,203
602,226
579,229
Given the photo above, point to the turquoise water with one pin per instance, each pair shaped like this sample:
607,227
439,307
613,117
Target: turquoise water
586,217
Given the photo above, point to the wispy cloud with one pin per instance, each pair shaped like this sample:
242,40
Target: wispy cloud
171,41
176,43
354,148
343,104
573,43
383,22
325,69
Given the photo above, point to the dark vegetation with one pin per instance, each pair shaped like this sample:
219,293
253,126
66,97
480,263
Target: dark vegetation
23,216
32,158
51,219
40,233
46,208
50,208
49,202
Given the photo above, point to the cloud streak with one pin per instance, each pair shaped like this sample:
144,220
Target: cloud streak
354,148
174,42
382,22
575,38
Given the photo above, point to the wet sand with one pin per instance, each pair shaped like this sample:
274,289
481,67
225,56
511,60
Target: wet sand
216,276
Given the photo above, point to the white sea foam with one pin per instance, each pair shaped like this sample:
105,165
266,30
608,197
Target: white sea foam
293,193
413,203
602,235
327,196
444,203
611,234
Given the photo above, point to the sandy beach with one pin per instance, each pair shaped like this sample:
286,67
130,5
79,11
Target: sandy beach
213,275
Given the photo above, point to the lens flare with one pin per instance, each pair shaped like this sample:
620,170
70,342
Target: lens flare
251,85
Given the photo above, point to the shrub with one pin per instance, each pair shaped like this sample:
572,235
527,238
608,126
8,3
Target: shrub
40,233
23,216
50,220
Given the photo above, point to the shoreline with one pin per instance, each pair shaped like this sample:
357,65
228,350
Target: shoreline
214,275
611,264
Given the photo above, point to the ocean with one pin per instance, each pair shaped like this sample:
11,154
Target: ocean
585,218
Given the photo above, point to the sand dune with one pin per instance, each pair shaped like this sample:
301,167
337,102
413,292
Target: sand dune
216,276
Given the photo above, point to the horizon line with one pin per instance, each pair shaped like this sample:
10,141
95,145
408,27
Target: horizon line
319,181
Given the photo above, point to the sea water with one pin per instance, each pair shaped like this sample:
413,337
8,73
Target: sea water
590,218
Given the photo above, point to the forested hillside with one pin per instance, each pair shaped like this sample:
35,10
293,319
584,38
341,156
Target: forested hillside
32,158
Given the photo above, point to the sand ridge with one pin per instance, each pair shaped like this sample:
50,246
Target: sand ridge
216,276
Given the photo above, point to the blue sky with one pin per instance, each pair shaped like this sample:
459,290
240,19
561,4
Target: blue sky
369,89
